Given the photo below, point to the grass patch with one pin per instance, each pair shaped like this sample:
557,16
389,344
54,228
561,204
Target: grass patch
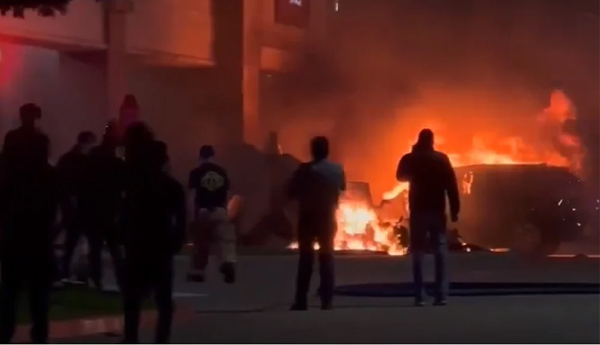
77,303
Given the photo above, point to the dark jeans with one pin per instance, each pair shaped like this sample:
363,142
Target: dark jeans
319,229
428,232
74,227
32,272
143,274
101,231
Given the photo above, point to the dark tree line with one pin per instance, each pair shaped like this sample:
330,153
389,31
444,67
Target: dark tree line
45,8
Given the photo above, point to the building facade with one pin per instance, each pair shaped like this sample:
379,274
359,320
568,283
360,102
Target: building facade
194,66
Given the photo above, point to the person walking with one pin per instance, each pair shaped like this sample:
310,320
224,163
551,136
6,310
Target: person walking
72,169
153,221
431,178
210,185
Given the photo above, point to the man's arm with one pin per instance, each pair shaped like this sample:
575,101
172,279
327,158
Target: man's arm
294,184
191,196
343,179
9,148
403,170
179,218
451,188
226,180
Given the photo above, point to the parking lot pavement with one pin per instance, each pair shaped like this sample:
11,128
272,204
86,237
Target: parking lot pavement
254,310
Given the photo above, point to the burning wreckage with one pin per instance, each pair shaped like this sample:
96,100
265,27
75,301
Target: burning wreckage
529,203
504,206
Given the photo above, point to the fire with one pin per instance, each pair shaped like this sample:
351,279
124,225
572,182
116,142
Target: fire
360,227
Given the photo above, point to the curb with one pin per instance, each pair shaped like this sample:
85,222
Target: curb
110,325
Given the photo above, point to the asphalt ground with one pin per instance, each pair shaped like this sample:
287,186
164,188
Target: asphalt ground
255,309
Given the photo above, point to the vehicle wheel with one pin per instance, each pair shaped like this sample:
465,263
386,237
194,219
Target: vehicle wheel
529,240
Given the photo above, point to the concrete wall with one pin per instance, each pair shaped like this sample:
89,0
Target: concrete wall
177,28
81,27
27,75
68,87
185,105
81,82
183,109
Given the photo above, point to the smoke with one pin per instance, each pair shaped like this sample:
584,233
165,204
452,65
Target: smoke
558,122
391,68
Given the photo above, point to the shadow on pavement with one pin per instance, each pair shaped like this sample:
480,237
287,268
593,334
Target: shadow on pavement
470,289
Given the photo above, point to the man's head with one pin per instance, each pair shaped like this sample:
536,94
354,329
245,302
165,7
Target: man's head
206,153
85,141
30,114
319,148
425,139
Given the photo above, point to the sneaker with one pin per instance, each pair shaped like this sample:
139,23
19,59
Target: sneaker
80,282
228,271
97,285
419,303
299,306
440,302
326,305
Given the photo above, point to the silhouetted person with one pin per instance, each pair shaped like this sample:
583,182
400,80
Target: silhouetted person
73,171
153,223
102,202
30,194
22,144
129,114
209,183
317,186
431,177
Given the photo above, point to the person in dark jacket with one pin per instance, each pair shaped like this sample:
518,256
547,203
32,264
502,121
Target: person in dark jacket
72,169
431,178
316,186
22,144
209,183
30,193
153,222
101,203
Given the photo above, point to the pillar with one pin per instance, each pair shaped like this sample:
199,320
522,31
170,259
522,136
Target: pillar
320,14
116,59
253,133
83,97
228,28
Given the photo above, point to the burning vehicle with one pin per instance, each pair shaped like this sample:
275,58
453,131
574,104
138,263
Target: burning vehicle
529,208
520,191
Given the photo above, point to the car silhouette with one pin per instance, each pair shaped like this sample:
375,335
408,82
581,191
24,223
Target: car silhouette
529,208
